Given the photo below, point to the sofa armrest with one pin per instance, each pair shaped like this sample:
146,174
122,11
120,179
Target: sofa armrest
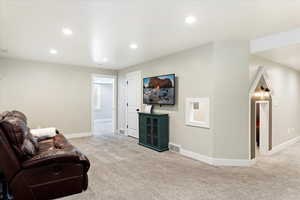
55,157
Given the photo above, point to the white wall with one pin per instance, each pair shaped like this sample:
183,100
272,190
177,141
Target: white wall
49,94
285,83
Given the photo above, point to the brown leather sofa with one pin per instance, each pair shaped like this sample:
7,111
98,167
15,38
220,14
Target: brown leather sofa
39,168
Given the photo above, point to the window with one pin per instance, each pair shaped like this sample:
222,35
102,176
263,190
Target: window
97,96
197,112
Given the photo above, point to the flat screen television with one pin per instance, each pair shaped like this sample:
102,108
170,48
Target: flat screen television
159,90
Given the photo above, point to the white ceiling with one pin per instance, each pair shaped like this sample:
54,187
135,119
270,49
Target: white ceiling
105,28
287,55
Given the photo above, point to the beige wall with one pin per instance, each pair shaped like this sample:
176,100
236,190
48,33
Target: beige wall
218,70
50,94
230,100
285,84
193,70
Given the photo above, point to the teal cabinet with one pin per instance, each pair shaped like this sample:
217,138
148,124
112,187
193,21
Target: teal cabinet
154,131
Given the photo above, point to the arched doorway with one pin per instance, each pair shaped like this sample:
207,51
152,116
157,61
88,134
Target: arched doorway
260,98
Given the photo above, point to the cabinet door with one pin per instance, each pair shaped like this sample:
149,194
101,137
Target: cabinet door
148,130
155,124
142,129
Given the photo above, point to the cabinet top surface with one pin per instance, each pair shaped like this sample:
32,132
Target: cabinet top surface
153,114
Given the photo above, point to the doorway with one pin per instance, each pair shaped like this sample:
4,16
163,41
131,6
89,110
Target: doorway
103,104
262,127
133,102
260,105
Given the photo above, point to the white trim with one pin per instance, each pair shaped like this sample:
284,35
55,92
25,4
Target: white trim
115,93
233,162
260,73
197,156
284,145
175,145
103,120
215,161
78,135
189,112
121,130
264,145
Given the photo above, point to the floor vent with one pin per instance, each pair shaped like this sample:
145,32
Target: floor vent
174,147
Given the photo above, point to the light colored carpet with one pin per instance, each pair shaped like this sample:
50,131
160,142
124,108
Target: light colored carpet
123,170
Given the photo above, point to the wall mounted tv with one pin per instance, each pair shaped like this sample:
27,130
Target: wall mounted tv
159,90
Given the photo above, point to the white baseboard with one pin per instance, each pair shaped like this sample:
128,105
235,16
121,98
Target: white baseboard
233,162
102,120
197,156
77,135
215,161
284,145
121,131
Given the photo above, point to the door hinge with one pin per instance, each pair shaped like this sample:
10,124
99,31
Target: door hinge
127,104
127,82
127,125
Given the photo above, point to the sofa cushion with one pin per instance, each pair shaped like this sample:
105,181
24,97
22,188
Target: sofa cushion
57,149
14,113
22,141
28,149
19,130
19,115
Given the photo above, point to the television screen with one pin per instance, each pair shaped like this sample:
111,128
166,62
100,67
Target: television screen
159,90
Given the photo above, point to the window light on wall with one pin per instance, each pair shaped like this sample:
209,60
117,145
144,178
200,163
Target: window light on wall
197,112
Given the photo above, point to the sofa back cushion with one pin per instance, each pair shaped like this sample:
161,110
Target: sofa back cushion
14,113
19,115
19,135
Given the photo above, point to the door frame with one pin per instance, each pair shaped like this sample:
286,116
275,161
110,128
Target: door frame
114,108
139,74
261,72
267,134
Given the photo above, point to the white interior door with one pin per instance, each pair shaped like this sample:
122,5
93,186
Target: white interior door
264,127
133,104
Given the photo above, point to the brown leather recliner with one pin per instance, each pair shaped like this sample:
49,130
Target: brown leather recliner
49,169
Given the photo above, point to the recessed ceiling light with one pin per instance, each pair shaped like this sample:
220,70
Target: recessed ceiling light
53,51
67,31
190,19
104,59
133,46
